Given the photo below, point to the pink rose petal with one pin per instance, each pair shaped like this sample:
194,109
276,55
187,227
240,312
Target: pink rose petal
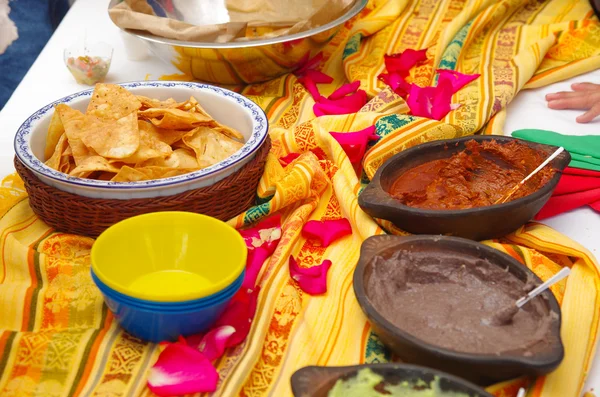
318,77
355,143
181,369
311,87
310,280
404,61
396,82
261,241
456,79
214,343
327,231
239,314
309,63
346,89
352,101
286,160
192,340
430,102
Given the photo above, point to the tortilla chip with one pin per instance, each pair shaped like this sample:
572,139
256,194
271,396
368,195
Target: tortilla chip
167,136
175,119
117,140
129,174
150,145
229,132
148,103
55,131
180,158
106,176
112,102
93,163
59,148
210,146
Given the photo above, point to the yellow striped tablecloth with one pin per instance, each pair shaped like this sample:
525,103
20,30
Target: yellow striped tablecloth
58,339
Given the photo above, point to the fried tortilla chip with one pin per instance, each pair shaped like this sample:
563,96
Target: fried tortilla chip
129,174
59,149
112,102
73,122
150,145
55,131
229,132
167,136
93,163
180,158
148,103
118,139
175,119
210,146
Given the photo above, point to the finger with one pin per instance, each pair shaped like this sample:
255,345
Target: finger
561,95
589,115
584,101
585,87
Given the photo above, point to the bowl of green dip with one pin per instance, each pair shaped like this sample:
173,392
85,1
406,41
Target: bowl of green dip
375,380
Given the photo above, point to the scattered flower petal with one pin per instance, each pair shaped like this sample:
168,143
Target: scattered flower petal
353,102
404,61
311,87
398,69
327,231
312,280
192,340
286,160
456,79
355,143
181,369
309,63
261,241
430,102
396,82
214,343
346,89
318,76
239,314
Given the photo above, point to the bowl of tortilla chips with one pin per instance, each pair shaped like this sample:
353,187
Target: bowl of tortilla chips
141,139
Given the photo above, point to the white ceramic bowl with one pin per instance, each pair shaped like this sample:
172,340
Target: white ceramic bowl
227,107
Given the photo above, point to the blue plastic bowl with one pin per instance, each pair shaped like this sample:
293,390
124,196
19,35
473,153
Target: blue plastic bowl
165,321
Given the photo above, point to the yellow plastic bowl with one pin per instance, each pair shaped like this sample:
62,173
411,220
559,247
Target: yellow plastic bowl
169,256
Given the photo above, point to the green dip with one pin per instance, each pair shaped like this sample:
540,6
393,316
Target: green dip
363,385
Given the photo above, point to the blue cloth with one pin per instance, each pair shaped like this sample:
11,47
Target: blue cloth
36,20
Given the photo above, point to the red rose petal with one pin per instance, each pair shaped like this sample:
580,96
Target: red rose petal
318,77
311,87
355,143
346,89
261,241
405,60
430,102
181,369
286,160
309,63
239,314
312,280
214,343
396,82
456,79
327,231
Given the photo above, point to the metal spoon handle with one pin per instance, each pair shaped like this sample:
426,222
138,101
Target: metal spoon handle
521,393
551,281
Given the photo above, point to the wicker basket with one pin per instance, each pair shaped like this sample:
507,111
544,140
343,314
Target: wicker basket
71,213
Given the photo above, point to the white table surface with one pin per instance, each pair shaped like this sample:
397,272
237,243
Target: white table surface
48,80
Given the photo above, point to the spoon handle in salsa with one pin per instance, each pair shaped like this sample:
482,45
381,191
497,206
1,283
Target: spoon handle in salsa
541,288
521,393
516,187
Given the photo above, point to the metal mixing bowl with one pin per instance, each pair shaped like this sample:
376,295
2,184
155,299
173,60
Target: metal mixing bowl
245,61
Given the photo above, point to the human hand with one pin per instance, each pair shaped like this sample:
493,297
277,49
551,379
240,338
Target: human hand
585,96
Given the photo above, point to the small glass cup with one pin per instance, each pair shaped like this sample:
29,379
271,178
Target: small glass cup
88,63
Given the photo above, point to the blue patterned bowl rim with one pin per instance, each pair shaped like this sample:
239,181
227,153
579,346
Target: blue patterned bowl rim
260,126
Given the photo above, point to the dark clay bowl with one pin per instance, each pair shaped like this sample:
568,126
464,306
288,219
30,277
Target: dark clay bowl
474,223
482,369
317,381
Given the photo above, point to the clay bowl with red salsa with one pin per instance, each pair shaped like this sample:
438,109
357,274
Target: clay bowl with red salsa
433,301
450,187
